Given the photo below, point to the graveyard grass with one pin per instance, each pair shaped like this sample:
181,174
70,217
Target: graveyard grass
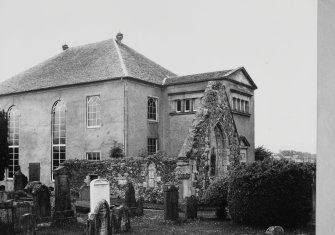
153,223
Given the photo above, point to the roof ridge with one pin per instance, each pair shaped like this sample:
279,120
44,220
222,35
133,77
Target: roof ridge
123,66
195,74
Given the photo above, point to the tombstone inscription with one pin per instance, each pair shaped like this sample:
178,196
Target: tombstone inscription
99,190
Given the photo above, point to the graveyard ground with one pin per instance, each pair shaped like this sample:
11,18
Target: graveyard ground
153,223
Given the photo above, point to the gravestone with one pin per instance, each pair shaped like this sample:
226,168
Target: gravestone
34,171
99,190
99,220
140,203
30,186
63,209
3,194
130,200
191,207
42,206
84,193
151,175
120,219
28,224
20,180
170,202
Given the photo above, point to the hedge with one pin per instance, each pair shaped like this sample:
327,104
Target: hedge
132,169
271,192
216,195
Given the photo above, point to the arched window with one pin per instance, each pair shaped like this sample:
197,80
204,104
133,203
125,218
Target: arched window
13,140
93,111
152,109
58,134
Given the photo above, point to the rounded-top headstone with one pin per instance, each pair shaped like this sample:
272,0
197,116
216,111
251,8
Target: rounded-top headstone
99,190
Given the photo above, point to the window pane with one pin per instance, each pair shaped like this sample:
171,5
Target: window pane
152,108
247,107
178,105
187,105
93,111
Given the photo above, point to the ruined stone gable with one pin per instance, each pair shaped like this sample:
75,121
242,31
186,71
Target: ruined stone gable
213,133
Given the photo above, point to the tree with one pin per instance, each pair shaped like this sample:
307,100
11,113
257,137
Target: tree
262,153
4,150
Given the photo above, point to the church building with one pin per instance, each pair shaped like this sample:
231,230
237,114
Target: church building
81,102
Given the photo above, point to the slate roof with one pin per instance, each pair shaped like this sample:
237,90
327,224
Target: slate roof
224,74
197,77
88,63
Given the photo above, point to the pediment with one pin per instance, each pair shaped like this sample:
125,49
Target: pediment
240,75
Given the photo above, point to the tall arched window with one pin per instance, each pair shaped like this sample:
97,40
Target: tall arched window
58,134
13,140
152,108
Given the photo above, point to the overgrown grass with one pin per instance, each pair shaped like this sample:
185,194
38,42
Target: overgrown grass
153,223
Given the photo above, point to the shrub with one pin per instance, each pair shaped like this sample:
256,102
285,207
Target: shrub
262,153
116,151
216,195
271,193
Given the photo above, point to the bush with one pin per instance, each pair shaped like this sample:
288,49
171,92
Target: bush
262,153
216,195
271,192
116,151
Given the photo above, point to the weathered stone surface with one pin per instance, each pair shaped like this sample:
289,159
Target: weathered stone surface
84,193
63,208
213,116
170,202
28,224
120,219
275,230
20,180
99,221
30,186
99,190
130,199
42,206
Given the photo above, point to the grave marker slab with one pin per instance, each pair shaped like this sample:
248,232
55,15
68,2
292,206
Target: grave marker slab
99,190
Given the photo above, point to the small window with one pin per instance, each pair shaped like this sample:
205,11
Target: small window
242,106
152,109
152,146
246,106
234,103
187,105
178,106
93,111
93,156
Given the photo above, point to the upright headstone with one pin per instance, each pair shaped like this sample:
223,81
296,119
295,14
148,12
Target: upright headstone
3,195
28,224
130,199
170,202
42,206
140,203
63,208
99,190
99,221
191,207
120,219
20,180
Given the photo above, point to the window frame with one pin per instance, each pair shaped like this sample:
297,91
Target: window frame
181,105
148,145
58,145
93,152
156,113
13,146
189,105
97,113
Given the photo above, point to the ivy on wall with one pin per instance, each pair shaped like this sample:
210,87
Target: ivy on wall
214,111
119,170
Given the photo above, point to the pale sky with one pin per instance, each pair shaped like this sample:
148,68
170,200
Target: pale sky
275,40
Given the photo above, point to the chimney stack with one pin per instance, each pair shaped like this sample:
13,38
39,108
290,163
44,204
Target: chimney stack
65,47
119,37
